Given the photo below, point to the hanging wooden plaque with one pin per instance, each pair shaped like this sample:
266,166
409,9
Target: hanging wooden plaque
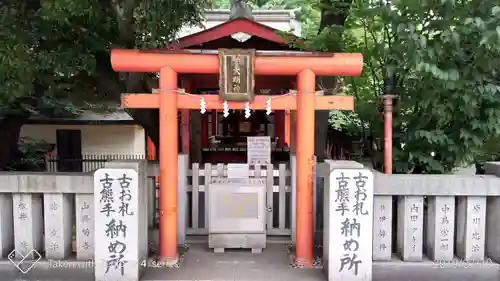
236,74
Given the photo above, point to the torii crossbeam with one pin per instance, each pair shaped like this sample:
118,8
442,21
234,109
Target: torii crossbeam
170,99
283,102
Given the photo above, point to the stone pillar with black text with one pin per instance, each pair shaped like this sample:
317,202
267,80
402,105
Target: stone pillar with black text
120,238
348,225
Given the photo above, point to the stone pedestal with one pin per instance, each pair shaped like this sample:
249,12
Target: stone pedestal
348,225
120,208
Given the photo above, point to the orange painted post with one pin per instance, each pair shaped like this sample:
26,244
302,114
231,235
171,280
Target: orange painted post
388,106
152,155
151,150
287,128
305,165
168,164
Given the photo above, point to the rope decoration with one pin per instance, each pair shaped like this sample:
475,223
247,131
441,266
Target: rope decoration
247,110
225,106
268,106
225,109
203,106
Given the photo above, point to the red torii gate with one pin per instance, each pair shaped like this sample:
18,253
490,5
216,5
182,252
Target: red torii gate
170,99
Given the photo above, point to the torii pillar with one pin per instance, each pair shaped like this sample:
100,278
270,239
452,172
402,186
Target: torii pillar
170,99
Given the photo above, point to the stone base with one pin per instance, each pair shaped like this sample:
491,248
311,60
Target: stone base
220,242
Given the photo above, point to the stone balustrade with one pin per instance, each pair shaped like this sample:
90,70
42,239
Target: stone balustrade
50,213
440,217
461,216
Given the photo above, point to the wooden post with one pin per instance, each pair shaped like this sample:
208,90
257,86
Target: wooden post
305,164
185,126
279,127
168,164
204,130
214,122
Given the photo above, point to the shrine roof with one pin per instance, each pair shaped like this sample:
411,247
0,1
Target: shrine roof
235,27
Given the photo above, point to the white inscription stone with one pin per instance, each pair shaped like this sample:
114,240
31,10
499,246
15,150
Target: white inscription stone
349,225
116,237
238,171
84,226
410,224
58,225
382,228
440,228
259,150
471,228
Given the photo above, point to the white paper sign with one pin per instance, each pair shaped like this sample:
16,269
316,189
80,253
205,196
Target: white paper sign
116,207
350,225
238,171
259,150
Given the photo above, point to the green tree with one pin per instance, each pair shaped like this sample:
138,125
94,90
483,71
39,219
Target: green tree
441,57
54,56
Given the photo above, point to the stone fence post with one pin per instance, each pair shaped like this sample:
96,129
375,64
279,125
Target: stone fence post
120,210
493,217
348,222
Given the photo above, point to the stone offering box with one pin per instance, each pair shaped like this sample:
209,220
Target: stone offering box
237,209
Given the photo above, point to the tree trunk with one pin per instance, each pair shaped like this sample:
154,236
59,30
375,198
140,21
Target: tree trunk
9,134
330,16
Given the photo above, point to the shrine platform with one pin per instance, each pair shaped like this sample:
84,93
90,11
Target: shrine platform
273,264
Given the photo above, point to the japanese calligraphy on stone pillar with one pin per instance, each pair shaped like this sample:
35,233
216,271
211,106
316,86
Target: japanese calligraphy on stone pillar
446,227
351,195
116,221
414,216
477,214
382,228
85,227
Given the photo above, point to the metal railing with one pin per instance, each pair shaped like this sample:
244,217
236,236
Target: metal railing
85,163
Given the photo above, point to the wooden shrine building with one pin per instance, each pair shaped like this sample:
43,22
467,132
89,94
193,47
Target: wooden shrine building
236,65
